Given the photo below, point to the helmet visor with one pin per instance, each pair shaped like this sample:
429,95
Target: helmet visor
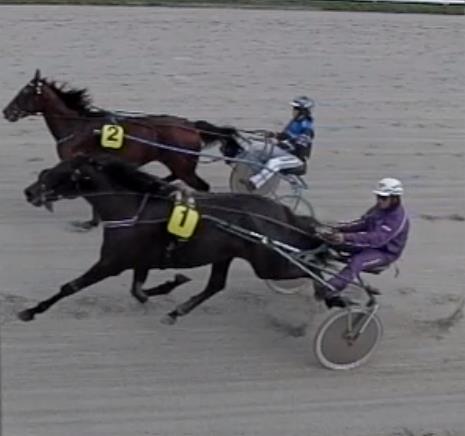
382,193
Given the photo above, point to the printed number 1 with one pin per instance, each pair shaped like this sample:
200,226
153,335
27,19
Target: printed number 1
184,217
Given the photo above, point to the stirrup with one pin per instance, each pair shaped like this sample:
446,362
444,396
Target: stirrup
339,301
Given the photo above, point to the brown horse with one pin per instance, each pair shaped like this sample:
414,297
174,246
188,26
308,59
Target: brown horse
79,128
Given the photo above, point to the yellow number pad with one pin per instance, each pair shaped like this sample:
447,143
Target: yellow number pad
112,136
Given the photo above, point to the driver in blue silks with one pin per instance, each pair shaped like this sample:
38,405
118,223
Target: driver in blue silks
294,144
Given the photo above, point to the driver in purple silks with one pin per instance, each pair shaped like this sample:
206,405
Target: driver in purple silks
376,240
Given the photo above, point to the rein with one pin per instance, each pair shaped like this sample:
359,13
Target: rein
116,117
201,154
262,217
134,220
127,222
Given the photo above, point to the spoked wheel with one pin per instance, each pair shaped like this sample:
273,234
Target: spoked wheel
297,204
241,174
347,338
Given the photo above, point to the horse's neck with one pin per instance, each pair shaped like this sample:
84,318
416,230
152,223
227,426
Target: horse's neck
60,120
113,204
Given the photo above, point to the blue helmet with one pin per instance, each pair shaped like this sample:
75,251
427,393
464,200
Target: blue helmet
302,103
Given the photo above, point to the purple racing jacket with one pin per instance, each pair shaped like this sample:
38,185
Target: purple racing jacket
385,230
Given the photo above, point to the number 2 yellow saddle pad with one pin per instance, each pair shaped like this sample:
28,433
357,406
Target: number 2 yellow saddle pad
112,136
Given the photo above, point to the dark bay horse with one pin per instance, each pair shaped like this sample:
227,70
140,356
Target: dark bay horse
72,120
135,230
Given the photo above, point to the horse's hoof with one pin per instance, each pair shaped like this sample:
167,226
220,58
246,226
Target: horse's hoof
26,315
84,226
140,296
168,319
181,279
142,299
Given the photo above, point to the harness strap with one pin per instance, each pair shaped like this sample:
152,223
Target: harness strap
127,222
64,139
260,238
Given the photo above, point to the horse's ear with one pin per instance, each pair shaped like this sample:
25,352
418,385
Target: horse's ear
37,75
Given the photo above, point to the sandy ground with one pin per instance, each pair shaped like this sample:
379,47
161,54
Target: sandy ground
390,93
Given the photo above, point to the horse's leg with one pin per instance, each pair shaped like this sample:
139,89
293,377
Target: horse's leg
98,272
140,276
188,175
197,183
167,287
87,225
141,295
216,283
170,178
95,220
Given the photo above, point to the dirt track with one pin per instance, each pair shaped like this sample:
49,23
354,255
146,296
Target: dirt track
390,93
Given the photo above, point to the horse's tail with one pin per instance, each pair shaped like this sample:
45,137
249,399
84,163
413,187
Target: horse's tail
226,135
209,132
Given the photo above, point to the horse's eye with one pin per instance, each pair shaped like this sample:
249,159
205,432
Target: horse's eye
32,88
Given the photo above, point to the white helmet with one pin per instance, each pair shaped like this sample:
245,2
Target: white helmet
389,186
302,103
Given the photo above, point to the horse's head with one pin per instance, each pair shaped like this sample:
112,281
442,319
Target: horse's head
68,179
40,95
28,101
83,175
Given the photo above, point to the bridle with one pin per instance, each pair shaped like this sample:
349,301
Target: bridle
47,196
17,110
37,85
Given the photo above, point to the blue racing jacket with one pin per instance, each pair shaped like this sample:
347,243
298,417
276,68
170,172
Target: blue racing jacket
299,132
300,127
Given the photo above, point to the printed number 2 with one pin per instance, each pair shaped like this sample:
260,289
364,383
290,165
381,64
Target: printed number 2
112,133
112,136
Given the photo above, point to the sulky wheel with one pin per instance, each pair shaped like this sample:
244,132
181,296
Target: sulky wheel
240,176
347,338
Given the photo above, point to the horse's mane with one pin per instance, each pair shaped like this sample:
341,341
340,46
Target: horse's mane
130,177
75,99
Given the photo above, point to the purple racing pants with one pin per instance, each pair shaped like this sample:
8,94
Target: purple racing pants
365,260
